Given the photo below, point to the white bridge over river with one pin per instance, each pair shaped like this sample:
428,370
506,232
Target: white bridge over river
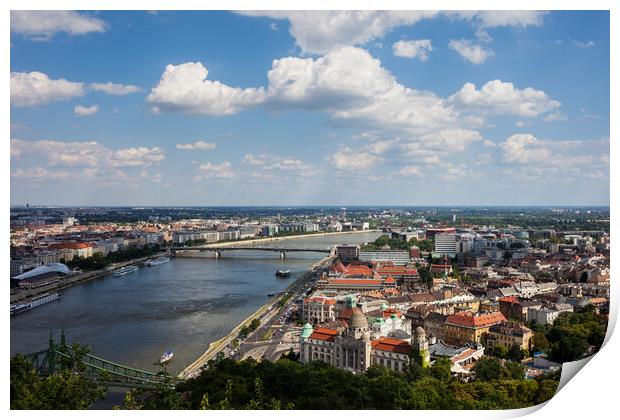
217,251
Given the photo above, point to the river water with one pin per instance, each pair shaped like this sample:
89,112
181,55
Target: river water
183,305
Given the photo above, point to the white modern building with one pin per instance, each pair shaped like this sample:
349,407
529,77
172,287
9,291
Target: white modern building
445,244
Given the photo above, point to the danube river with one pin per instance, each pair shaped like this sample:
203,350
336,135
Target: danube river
183,305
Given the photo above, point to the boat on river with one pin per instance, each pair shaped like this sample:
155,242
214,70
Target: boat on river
125,270
283,273
18,308
157,261
166,357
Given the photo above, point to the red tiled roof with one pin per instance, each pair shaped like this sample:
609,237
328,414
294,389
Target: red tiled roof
463,356
324,334
389,311
355,281
358,270
320,299
471,320
392,292
510,299
390,344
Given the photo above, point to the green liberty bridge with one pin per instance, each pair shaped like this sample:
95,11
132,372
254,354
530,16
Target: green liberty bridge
102,372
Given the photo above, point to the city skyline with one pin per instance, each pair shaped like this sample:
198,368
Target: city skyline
268,108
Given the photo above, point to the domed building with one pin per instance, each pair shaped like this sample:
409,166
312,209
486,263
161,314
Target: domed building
352,348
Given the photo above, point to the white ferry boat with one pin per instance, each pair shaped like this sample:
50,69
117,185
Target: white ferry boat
157,261
125,270
41,300
166,357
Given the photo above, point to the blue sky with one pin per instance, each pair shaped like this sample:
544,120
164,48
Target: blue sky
310,108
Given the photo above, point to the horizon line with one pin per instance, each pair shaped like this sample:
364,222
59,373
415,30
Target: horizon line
306,205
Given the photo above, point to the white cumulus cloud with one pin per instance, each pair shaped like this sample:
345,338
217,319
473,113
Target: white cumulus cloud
84,111
86,154
36,88
504,98
198,145
185,88
413,48
524,148
137,156
519,18
215,170
555,116
352,160
115,88
323,31
354,89
43,24
254,160
474,53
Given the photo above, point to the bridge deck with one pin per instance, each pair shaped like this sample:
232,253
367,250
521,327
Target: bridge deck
213,249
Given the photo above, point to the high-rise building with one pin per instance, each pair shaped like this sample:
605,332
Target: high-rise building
445,244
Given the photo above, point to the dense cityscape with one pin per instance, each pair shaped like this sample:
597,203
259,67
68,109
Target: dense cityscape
309,209
467,294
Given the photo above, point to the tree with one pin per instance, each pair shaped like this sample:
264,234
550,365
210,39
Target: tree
163,397
546,390
516,353
375,371
66,389
442,369
568,348
540,343
426,278
514,370
499,351
491,368
488,369
254,324
229,384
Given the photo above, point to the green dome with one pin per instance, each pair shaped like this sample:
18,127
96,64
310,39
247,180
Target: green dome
306,331
393,316
384,306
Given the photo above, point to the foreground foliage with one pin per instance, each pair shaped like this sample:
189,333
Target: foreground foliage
285,384
572,336
66,389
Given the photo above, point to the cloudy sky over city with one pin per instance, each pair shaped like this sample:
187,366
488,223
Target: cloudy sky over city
310,108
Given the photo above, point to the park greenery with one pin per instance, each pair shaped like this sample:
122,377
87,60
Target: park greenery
246,330
571,337
98,261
